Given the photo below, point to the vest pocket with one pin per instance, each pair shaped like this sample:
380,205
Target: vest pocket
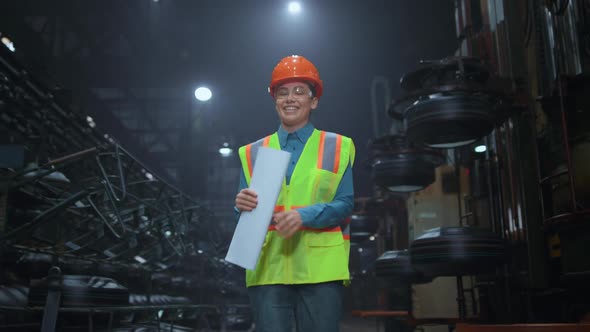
323,239
324,184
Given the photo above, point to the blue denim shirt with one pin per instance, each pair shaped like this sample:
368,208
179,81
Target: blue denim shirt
317,215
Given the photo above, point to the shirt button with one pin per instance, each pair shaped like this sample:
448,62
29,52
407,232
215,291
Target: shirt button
292,163
293,149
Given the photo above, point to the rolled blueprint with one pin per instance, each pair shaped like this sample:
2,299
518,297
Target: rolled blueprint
270,168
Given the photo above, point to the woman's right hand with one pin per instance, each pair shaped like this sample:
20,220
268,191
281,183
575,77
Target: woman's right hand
246,200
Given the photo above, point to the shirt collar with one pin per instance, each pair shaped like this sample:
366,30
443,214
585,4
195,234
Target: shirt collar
302,134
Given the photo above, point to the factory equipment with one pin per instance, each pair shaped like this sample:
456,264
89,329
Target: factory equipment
401,166
88,231
451,102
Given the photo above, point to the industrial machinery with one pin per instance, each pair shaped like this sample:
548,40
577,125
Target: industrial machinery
508,112
400,166
90,237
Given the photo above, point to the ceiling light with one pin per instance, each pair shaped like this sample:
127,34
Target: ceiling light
294,7
226,151
203,93
480,149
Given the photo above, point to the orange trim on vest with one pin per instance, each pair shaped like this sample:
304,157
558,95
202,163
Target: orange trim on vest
322,230
266,141
281,208
273,227
337,157
321,149
249,158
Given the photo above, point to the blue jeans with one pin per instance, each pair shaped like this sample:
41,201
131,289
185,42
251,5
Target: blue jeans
310,307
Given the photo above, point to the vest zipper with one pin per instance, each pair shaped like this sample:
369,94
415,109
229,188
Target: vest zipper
289,247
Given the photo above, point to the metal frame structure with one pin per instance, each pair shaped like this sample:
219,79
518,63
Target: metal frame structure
85,204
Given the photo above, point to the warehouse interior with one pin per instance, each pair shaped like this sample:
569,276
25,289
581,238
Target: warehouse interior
471,179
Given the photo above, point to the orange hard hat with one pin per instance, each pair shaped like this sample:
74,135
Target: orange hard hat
296,67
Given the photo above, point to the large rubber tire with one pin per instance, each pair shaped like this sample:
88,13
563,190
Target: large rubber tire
80,290
453,251
396,265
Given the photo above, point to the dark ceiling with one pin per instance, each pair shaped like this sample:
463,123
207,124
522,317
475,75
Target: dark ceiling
133,65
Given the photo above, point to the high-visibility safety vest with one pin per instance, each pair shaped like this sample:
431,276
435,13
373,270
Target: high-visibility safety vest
312,255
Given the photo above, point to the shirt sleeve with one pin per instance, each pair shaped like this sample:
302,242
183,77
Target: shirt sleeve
331,214
243,185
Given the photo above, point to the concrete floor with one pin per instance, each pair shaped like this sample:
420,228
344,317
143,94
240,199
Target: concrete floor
357,324
348,324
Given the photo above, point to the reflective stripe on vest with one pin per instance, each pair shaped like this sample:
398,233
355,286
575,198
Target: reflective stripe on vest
329,152
344,226
252,152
